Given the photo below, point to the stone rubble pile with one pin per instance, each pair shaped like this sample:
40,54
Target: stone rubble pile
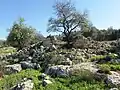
31,58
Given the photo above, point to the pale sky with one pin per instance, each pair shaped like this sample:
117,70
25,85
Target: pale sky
102,13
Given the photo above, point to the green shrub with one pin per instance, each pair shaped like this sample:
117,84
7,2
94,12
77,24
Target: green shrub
104,69
98,57
113,55
20,34
113,67
85,75
52,58
103,57
79,83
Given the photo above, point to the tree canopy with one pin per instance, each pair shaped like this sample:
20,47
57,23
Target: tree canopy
67,19
20,34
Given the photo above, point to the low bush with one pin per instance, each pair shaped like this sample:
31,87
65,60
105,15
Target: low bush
83,74
104,57
113,67
104,69
97,58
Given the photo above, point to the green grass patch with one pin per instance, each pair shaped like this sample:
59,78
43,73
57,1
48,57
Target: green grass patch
9,81
68,83
113,67
104,69
98,57
102,57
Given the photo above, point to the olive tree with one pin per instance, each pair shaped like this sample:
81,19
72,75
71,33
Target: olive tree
20,34
67,19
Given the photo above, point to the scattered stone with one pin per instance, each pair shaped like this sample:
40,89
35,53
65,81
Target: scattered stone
30,58
113,79
46,82
42,48
53,47
47,78
43,75
67,62
15,68
114,89
25,85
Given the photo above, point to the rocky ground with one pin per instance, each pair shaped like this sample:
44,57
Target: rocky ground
98,59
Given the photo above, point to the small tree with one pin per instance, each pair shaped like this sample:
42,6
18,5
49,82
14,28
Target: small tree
20,34
67,20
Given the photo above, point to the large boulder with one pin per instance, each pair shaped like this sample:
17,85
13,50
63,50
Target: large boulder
86,66
59,70
9,69
29,65
26,64
66,70
113,79
24,85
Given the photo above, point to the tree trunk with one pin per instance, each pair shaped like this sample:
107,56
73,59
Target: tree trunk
69,44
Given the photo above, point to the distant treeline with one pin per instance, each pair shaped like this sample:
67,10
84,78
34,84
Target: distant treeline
102,35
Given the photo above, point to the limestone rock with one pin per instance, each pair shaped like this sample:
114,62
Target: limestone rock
66,70
113,79
26,85
46,82
86,66
67,62
114,89
28,64
59,70
53,47
43,75
9,69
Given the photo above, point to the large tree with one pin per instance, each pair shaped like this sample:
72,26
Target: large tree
67,19
20,34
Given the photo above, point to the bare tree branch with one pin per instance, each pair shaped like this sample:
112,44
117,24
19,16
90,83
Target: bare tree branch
67,19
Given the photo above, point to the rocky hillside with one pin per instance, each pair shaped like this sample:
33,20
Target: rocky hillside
91,65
